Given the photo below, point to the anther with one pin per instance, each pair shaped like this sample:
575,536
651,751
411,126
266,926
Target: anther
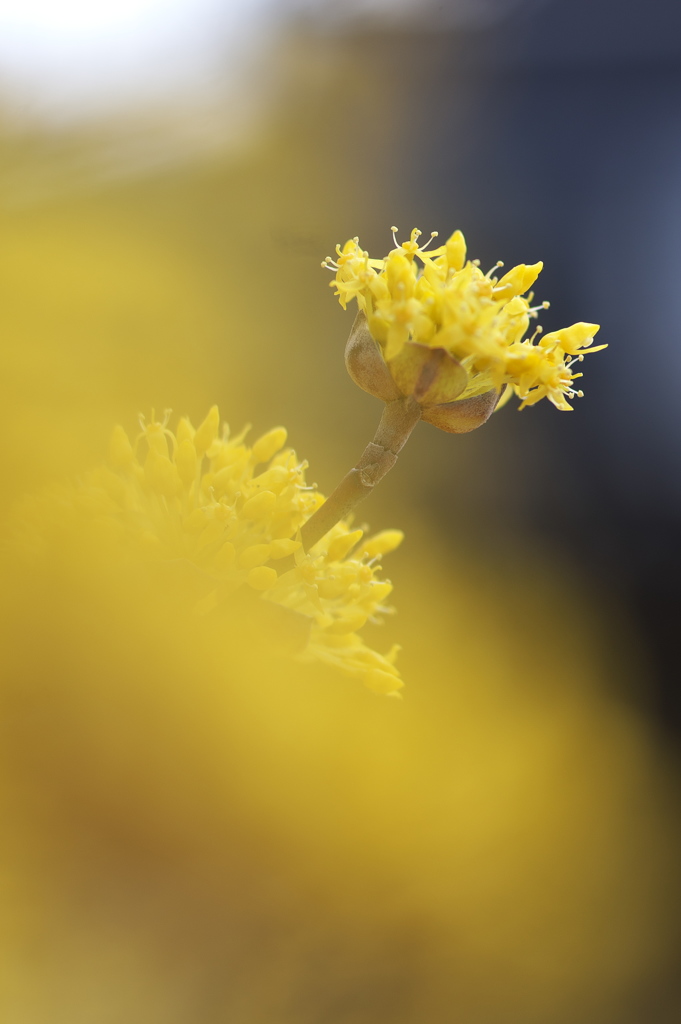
433,234
576,359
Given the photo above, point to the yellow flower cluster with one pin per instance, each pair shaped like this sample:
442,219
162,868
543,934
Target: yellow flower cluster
479,319
203,501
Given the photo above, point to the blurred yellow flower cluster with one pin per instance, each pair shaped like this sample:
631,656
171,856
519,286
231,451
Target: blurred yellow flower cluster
223,516
479,319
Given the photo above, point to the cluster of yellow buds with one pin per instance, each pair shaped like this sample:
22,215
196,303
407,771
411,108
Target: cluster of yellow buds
200,500
476,323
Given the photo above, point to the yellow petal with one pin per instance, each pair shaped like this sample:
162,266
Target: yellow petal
340,546
381,543
455,249
207,431
120,449
260,505
269,444
255,555
517,280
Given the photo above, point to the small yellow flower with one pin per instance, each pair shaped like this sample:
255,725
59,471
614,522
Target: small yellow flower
228,514
478,322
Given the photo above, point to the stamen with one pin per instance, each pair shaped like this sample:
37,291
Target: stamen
496,266
433,234
542,305
394,231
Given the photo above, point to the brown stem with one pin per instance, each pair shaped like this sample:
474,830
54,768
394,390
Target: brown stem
380,455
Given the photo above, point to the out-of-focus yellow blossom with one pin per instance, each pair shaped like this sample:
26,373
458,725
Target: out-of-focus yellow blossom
480,319
220,518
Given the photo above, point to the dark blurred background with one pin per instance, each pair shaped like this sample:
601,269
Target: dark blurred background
573,154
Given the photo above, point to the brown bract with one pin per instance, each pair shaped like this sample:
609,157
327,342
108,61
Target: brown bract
431,375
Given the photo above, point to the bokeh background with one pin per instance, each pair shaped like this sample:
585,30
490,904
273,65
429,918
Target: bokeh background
195,835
